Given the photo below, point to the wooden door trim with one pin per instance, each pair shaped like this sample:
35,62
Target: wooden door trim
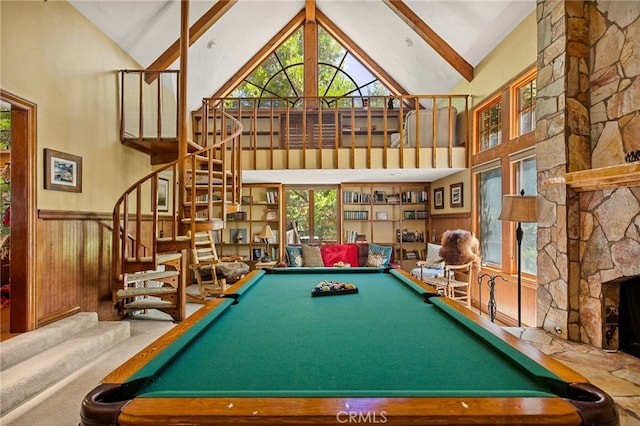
23,217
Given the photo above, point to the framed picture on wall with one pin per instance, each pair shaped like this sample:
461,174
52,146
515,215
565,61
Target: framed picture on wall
456,195
163,195
438,198
62,171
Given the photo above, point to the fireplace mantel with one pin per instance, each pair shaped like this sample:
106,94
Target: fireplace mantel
602,178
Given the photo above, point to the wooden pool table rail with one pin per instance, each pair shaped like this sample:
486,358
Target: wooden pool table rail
328,411
267,411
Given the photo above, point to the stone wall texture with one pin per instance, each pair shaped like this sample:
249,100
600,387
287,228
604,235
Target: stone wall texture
588,117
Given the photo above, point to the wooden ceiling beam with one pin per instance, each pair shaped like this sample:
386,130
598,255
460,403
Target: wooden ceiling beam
310,50
262,54
432,38
196,31
384,78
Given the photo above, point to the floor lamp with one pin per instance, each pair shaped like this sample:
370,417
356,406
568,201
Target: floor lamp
519,208
266,234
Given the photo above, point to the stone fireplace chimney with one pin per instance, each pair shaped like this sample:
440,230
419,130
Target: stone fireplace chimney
588,140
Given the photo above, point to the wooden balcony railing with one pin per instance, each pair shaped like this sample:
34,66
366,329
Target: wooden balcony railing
426,131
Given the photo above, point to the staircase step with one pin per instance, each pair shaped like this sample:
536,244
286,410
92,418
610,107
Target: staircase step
206,224
32,376
150,304
144,291
150,276
29,344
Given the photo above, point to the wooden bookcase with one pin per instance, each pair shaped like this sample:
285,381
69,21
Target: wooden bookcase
262,204
387,214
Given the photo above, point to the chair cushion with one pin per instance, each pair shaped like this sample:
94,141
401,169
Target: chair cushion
294,256
231,269
433,253
334,253
427,272
379,256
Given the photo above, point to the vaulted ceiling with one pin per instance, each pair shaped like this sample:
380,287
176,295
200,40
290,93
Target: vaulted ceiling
426,46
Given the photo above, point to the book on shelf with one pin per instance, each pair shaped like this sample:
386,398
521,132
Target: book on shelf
416,214
415,196
354,237
355,197
356,215
272,197
393,199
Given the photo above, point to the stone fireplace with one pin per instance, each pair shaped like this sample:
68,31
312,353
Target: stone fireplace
588,146
621,316
610,255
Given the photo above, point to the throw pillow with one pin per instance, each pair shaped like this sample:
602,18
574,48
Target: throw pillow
311,256
379,256
334,253
294,255
433,253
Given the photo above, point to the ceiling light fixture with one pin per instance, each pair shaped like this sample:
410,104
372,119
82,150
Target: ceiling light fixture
408,42
211,43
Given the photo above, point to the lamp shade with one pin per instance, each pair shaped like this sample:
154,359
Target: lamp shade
519,208
266,233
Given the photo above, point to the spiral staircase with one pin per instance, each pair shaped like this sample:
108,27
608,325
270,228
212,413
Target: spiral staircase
155,220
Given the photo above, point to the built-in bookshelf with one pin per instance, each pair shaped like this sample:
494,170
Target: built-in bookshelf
387,214
261,206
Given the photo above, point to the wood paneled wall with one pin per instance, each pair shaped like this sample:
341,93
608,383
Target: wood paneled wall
74,264
441,223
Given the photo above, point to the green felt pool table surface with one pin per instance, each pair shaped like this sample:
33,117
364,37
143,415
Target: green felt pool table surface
274,340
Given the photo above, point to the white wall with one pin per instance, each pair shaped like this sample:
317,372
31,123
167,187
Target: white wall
52,56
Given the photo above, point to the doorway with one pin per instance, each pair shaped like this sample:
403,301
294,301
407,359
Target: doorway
22,220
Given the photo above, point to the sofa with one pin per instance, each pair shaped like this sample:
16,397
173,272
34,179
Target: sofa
330,255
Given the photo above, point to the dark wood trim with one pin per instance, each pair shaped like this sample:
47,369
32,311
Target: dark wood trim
72,215
196,31
55,316
310,51
23,216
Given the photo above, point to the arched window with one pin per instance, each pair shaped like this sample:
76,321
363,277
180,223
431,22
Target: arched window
281,75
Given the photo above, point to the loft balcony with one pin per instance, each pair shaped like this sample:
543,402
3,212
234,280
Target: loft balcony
375,132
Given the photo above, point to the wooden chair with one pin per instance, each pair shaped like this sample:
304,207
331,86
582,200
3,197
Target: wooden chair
456,282
210,272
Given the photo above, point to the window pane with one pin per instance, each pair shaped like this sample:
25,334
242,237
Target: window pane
298,212
527,176
320,227
526,107
491,126
490,202
325,214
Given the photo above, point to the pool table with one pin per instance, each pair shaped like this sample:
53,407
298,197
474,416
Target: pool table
269,353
